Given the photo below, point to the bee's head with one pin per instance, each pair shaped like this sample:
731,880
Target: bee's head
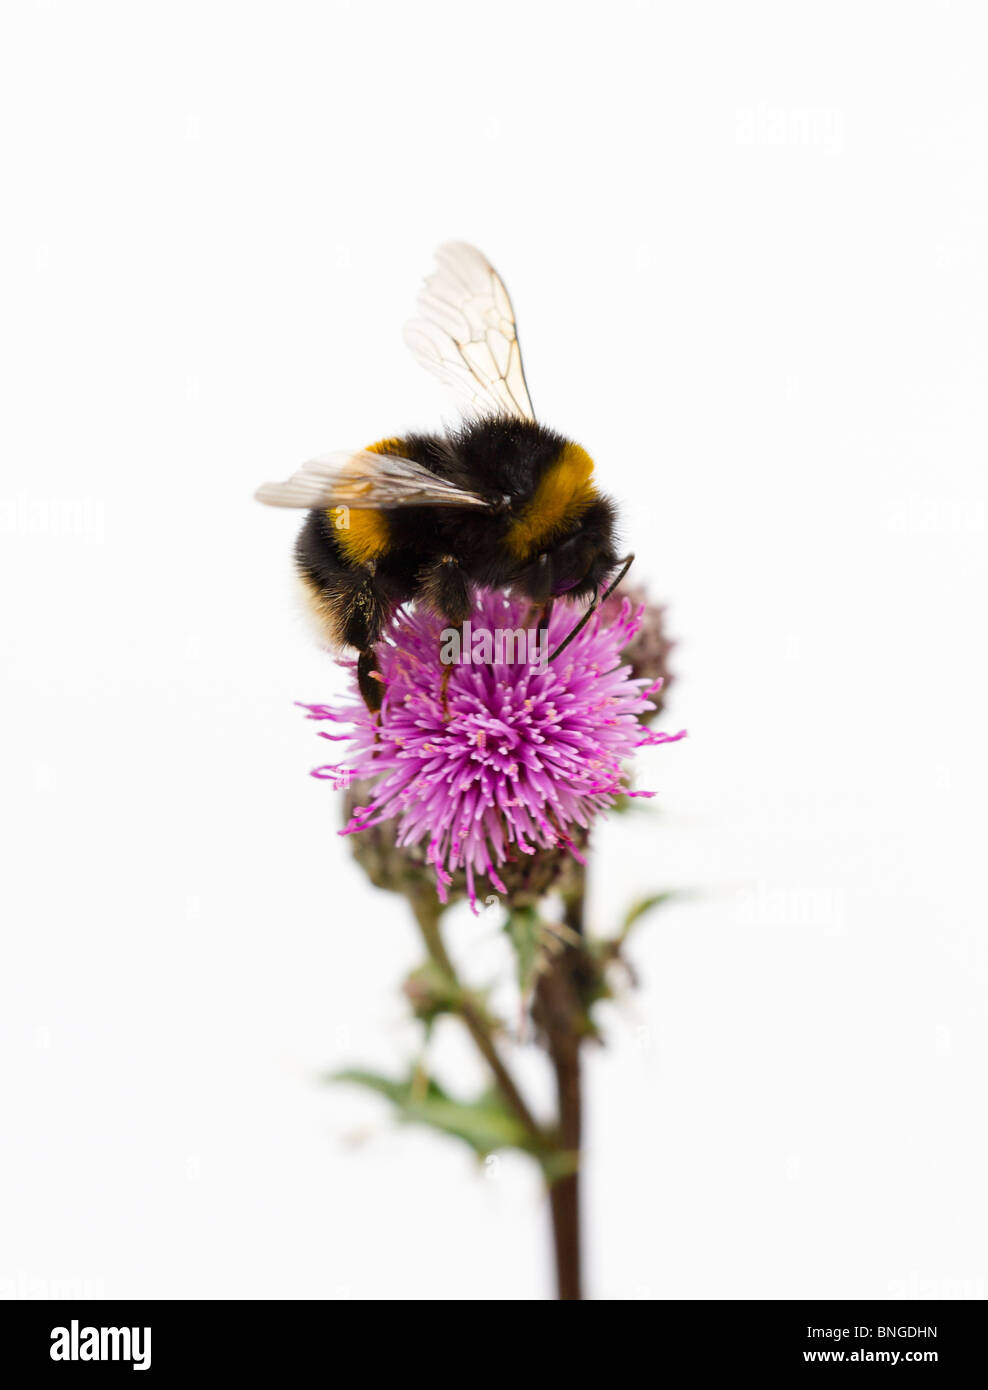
577,562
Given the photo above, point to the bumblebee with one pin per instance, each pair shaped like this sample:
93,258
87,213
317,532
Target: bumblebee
502,502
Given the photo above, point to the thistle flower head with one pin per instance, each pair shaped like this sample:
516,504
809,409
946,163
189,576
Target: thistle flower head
483,760
648,650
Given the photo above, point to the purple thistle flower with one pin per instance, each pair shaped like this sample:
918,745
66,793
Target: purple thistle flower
520,757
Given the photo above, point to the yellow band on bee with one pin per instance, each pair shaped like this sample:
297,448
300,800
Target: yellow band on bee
363,535
563,495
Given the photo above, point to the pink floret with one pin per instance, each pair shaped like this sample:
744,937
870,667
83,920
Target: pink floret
518,759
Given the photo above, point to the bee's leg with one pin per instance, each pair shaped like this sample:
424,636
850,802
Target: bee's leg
444,693
363,610
369,681
536,585
545,613
447,673
443,587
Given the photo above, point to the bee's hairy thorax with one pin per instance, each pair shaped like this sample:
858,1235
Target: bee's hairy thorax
359,565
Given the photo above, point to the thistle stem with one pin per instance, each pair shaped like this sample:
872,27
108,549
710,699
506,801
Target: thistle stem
564,1193
427,914
559,1011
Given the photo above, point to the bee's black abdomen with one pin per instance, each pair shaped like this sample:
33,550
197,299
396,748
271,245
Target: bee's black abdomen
350,605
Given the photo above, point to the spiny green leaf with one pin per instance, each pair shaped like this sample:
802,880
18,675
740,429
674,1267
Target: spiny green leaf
638,909
394,1090
485,1124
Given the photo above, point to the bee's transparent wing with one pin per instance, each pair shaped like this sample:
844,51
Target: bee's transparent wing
361,479
465,334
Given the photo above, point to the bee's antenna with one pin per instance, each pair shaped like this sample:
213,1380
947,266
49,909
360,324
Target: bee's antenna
597,600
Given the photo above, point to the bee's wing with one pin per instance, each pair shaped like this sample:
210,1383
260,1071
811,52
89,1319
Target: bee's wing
361,479
466,335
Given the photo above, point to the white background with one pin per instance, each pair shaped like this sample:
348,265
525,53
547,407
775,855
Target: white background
746,245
